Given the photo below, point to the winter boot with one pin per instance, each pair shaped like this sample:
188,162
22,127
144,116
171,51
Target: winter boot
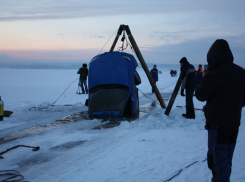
190,113
185,115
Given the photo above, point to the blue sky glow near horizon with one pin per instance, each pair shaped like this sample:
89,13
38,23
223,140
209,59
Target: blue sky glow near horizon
49,31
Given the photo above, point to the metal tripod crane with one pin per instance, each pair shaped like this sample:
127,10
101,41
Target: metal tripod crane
140,58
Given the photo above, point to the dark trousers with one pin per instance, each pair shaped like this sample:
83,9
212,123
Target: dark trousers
189,98
221,146
152,87
84,83
197,83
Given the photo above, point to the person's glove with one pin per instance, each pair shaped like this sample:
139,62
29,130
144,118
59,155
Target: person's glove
182,92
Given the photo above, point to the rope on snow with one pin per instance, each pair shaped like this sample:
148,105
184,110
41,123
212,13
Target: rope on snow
148,97
11,175
179,171
34,149
43,107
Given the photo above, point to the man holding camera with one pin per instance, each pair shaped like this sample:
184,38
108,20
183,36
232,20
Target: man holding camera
223,89
83,71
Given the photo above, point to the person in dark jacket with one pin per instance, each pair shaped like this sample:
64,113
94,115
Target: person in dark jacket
154,74
199,76
223,89
83,71
188,77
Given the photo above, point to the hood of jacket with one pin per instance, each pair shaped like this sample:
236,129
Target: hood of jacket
185,64
219,54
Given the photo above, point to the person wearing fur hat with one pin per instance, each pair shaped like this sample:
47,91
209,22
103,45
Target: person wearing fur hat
223,89
188,77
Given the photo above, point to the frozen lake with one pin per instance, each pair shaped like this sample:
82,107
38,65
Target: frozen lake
149,149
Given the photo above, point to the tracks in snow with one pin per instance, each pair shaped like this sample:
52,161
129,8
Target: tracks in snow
145,110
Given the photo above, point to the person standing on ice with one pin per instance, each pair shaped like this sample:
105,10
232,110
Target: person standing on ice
188,77
83,71
154,74
223,89
199,74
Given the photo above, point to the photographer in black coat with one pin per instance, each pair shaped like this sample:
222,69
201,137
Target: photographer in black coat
223,89
188,77
83,71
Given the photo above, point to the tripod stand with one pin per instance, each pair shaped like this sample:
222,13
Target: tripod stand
79,88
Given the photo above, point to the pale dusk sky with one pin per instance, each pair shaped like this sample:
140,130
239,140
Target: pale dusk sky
53,31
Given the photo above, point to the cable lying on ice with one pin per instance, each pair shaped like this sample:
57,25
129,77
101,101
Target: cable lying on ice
46,107
179,171
34,149
148,97
11,175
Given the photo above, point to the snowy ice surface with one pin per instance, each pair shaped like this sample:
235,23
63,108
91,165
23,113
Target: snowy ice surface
149,149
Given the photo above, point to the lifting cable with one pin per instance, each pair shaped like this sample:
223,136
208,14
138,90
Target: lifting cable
127,44
107,42
123,40
179,171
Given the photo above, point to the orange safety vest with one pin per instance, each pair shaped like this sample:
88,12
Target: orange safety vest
201,70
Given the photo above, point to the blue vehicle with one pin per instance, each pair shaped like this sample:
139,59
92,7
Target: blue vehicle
112,84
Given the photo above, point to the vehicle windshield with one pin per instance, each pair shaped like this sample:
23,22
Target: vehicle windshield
108,98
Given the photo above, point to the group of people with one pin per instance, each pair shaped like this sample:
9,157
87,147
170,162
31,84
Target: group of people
173,73
222,86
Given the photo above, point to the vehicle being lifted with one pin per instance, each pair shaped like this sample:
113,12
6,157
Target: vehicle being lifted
112,86
112,82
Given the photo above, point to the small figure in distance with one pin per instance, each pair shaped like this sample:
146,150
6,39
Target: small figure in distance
199,74
83,71
172,73
154,74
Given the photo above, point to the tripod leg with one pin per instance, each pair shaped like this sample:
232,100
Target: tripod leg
77,89
80,90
